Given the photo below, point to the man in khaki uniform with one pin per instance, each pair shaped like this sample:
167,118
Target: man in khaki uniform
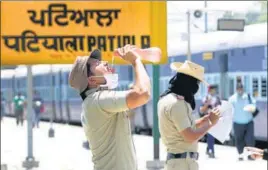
131,114
104,111
179,131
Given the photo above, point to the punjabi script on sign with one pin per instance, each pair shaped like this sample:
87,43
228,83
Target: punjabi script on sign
60,15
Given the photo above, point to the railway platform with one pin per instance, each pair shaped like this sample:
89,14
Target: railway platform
66,152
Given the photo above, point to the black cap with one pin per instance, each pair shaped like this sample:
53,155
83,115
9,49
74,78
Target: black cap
96,54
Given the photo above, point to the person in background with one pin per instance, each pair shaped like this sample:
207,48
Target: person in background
37,106
210,101
19,102
257,153
3,103
131,114
242,121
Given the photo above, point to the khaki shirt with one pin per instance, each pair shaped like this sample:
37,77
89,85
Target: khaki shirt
175,115
108,131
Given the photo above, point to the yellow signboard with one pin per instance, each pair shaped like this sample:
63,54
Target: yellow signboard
56,32
207,56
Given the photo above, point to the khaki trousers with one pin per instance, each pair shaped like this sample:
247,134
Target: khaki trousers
182,164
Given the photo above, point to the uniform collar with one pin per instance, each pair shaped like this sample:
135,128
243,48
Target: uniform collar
88,91
179,97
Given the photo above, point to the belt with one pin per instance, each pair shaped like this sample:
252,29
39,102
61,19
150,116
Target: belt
193,155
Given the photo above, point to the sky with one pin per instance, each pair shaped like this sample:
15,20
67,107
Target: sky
223,5
177,18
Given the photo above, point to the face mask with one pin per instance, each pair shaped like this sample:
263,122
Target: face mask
111,81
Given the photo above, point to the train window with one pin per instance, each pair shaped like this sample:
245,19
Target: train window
36,81
9,83
255,86
19,83
41,80
4,83
263,87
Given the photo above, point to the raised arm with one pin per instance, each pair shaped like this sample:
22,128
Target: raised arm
182,123
140,93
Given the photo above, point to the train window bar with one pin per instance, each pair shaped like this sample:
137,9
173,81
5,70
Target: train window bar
263,87
255,86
